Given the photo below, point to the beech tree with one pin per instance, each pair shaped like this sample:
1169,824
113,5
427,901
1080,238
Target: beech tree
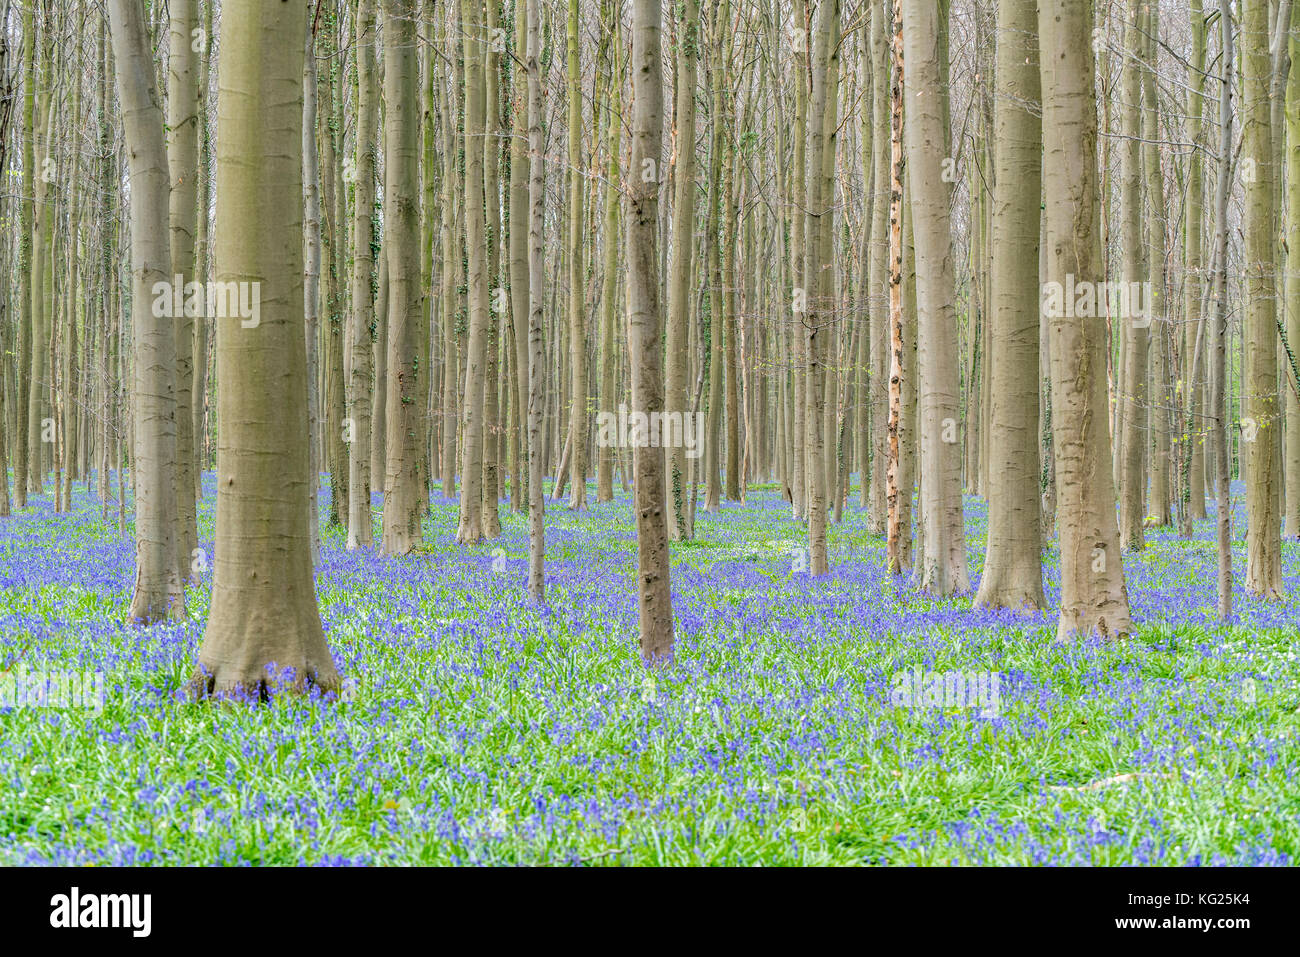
403,497
1135,328
362,314
158,593
943,564
1013,571
536,289
183,163
1261,419
681,285
1094,599
471,488
264,609
653,595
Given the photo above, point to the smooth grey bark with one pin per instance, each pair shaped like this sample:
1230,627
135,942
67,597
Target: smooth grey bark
403,494
183,163
942,568
1094,600
361,317
654,597
471,528
1261,417
264,610
681,276
536,292
159,592
818,273
1013,570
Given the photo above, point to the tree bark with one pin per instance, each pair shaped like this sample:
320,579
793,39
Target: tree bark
1195,340
877,508
609,278
1161,512
403,494
577,279
653,593
362,314
1261,422
311,282
1132,478
183,164
898,488
1292,291
519,251
1218,374
681,286
1013,570
159,593
1093,595
818,274
264,610
943,567
492,407
536,291
471,485
202,264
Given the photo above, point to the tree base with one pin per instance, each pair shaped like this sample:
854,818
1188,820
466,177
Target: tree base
1108,624
242,684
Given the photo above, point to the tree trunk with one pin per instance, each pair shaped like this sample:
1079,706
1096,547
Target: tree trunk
403,495
42,215
877,508
681,286
183,163
609,279
577,279
22,445
943,569
1013,570
1132,478
536,290
203,259
730,352
1195,356
159,593
1161,342
1093,596
519,213
898,488
818,273
362,314
492,431
334,333
1292,291
864,377
264,611
311,282
1261,423
721,22
450,313
654,596
1218,373
471,486
379,385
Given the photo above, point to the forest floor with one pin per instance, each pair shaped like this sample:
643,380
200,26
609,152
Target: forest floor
480,728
